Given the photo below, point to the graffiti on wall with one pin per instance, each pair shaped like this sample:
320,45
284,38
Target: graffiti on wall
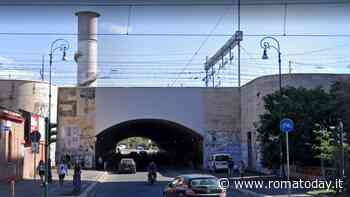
222,142
68,108
72,136
41,108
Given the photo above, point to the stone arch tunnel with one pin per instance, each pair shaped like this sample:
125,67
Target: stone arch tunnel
183,145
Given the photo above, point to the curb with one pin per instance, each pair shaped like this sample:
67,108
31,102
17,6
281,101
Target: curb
255,194
251,193
90,189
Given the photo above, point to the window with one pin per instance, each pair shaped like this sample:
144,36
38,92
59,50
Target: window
204,182
222,158
27,127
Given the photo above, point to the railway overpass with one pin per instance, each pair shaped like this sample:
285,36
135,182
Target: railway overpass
187,122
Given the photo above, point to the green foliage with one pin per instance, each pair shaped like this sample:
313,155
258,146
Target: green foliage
323,146
311,110
305,107
340,93
134,141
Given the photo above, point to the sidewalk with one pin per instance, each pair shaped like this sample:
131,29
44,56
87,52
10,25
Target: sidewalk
32,188
265,191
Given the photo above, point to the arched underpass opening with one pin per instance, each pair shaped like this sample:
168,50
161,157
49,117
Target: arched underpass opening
179,146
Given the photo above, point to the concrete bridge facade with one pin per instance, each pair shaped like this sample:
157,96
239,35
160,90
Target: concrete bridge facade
175,115
222,119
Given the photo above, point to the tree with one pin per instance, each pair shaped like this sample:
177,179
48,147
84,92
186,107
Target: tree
323,147
305,107
340,92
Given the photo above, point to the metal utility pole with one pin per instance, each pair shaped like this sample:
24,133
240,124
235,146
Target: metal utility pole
222,52
290,66
226,49
206,79
341,131
239,45
42,70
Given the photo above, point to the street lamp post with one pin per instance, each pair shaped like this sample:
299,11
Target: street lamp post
62,45
265,43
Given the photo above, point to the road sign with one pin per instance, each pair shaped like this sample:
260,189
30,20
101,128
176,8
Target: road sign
35,136
286,125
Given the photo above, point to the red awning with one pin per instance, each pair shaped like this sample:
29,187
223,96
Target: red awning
11,117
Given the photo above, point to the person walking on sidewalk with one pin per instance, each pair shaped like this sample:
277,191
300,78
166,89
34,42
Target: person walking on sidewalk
100,162
241,169
62,171
77,178
231,164
41,171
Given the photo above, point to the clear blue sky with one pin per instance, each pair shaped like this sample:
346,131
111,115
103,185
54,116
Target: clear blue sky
159,60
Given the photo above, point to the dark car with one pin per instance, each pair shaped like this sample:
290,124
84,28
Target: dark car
127,165
194,185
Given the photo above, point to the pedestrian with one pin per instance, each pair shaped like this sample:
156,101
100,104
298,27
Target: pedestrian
105,165
231,164
77,178
235,169
41,171
100,162
241,169
62,171
67,160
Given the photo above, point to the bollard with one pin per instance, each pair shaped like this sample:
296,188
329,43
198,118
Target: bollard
12,190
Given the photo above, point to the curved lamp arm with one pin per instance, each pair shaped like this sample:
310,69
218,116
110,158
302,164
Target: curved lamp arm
63,46
265,43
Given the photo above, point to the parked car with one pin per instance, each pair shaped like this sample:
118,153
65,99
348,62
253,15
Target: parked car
140,147
194,185
219,162
127,165
122,146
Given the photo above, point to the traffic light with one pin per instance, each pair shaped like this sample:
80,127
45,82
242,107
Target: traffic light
51,131
336,137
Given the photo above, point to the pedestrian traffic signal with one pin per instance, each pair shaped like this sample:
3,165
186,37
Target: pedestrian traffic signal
52,131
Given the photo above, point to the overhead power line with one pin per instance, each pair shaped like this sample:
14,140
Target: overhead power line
202,44
171,34
180,3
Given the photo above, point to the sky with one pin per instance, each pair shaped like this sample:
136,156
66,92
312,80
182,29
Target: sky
167,45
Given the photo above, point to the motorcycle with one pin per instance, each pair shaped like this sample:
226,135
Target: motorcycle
152,176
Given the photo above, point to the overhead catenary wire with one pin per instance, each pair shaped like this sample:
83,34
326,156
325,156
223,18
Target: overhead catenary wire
147,66
202,44
175,34
163,3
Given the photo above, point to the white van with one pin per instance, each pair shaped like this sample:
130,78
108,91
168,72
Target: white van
219,162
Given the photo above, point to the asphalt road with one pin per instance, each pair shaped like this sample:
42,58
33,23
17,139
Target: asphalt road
135,185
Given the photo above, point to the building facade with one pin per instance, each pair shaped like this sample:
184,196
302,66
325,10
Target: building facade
11,145
29,100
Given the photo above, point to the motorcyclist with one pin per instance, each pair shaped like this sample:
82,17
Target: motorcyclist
152,171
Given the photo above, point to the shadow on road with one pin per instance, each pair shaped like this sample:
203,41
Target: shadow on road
130,188
29,188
